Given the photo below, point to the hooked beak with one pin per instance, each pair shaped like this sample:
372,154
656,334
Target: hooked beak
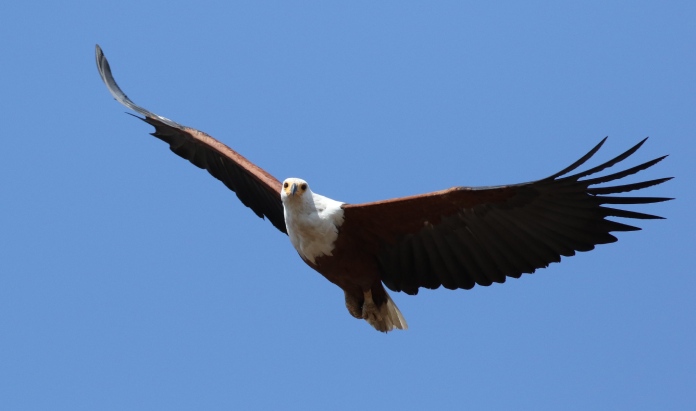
293,189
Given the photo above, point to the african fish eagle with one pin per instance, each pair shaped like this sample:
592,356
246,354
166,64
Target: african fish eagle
455,238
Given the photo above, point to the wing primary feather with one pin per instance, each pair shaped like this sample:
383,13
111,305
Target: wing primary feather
609,163
624,188
578,163
632,200
581,239
616,226
558,207
615,212
624,173
578,227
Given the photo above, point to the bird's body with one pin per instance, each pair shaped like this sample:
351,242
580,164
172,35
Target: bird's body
314,225
455,238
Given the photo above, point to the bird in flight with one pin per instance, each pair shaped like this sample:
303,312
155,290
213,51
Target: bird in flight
455,238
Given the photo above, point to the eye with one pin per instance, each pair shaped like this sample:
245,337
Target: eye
303,186
285,185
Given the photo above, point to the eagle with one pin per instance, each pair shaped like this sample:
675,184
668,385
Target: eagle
454,238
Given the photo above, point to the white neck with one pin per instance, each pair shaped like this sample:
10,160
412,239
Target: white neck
312,222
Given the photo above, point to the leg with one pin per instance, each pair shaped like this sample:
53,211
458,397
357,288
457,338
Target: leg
354,305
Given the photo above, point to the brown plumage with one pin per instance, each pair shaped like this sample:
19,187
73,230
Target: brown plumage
455,238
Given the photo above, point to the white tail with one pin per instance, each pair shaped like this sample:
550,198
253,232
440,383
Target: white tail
385,318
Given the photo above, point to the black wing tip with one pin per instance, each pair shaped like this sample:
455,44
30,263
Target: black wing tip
663,180
579,162
657,160
621,157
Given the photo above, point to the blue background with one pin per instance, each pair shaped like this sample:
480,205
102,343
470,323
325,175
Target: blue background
129,279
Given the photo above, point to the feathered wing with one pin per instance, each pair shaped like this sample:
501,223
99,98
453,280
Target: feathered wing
256,188
465,236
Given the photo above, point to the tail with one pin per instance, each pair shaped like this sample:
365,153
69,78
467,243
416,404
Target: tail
385,317
395,317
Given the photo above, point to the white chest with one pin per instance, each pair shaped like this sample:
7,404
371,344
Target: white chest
313,225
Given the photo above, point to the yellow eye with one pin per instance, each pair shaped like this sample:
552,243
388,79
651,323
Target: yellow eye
303,187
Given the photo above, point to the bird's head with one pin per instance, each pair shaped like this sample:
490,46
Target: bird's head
294,188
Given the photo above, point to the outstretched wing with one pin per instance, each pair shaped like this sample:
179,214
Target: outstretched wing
256,188
465,236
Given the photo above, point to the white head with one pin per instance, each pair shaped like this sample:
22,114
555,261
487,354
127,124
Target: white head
295,189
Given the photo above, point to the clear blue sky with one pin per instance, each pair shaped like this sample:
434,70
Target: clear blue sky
130,279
